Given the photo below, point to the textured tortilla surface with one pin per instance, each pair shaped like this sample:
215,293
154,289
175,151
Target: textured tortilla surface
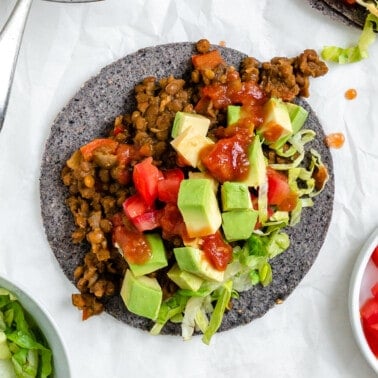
90,114
353,15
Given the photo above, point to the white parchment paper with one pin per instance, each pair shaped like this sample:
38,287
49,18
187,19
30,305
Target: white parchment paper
64,44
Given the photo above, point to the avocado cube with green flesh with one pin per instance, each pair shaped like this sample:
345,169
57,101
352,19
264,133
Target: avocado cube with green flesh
189,146
198,205
239,224
233,114
184,279
276,122
158,258
204,175
256,174
142,295
235,196
183,120
298,116
193,260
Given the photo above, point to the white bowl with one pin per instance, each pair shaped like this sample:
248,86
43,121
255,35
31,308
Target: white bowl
364,276
46,324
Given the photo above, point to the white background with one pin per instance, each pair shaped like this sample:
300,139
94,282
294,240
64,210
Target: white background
307,336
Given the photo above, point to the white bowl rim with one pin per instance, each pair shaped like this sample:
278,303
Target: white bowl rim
354,295
61,366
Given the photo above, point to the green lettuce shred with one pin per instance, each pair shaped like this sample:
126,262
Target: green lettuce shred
356,52
169,309
217,315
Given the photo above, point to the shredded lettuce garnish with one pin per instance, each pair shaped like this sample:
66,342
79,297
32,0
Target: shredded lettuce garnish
359,51
21,341
217,315
297,142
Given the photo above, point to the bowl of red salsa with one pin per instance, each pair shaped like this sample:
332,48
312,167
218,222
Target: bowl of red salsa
363,300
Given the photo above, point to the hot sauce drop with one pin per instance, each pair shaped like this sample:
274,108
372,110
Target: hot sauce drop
350,94
334,140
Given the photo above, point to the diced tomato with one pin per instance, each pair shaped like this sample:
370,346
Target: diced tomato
146,177
133,244
147,221
278,187
169,186
374,290
208,60
106,143
371,334
374,256
369,311
217,251
227,160
134,206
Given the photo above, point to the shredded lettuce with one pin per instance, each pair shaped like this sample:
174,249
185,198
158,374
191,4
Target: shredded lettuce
251,263
169,309
21,341
192,307
297,142
217,315
357,52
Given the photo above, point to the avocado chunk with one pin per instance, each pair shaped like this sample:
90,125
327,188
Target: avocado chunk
184,279
182,121
189,145
204,175
239,224
235,196
298,116
193,260
158,258
276,122
233,114
257,167
142,295
198,205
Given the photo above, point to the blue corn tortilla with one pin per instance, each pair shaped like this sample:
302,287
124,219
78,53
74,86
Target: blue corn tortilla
352,15
90,114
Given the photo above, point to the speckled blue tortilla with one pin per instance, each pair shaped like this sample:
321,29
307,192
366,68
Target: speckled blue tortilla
90,114
353,15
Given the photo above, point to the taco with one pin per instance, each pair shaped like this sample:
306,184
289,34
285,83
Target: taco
115,131
341,10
